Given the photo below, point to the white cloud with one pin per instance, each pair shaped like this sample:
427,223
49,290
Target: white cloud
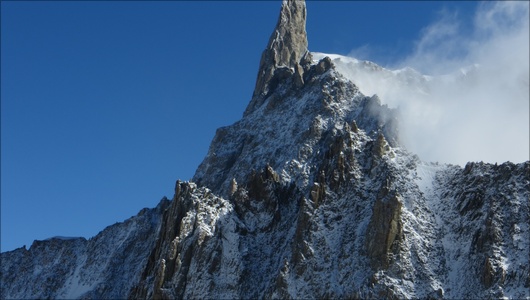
480,111
362,52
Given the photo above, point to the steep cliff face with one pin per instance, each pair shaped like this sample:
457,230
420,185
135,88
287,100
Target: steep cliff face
278,178
483,221
286,55
309,195
354,217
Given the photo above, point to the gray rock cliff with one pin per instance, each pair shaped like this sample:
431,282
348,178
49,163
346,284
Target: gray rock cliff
286,54
309,195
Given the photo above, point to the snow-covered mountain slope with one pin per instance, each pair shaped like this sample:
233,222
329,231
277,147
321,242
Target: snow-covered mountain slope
354,217
395,85
309,195
292,129
374,79
105,266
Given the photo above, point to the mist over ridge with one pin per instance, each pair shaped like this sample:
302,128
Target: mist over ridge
463,94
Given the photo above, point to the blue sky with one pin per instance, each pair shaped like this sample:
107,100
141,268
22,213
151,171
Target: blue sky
104,105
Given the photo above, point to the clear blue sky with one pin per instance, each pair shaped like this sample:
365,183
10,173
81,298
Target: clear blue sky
104,105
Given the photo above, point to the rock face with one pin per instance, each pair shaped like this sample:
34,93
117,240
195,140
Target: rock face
286,54
105,266
309,195
385,229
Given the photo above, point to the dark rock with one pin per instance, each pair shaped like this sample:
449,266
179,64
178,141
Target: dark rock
384,228
380,146
488,274
323,65
354,127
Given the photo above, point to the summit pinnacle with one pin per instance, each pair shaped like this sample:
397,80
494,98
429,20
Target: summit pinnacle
286,52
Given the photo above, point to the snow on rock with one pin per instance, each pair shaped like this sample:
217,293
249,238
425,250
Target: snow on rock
309,195
326,203
105,266
390,85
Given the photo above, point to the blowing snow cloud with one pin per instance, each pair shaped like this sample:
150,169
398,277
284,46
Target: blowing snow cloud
474,103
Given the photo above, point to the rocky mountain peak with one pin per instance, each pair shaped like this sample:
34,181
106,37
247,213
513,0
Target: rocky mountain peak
309,195
286,53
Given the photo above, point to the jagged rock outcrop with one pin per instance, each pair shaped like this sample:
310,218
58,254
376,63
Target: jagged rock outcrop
266,134
106,266
385,228
286,54
488,205
310,195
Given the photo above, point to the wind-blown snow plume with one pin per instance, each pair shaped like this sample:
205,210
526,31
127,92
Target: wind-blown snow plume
474,105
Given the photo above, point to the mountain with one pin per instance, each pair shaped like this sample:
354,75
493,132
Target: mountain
310,195
105,266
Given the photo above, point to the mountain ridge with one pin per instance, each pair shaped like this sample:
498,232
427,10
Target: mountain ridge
309,195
